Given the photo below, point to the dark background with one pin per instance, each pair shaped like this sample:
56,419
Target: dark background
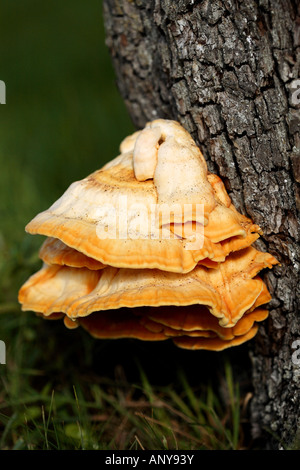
64,117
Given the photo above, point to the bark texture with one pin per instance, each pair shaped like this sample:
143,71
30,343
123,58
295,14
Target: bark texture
228,71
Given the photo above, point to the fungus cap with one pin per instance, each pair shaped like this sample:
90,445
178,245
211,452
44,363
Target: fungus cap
117,220
128,324
129,254
228,291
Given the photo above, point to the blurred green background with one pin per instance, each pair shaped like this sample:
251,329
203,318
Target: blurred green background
63,119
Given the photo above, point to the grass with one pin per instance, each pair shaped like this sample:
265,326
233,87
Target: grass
63,119
62,389
54,399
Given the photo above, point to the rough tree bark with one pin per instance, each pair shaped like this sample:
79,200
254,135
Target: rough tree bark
228,70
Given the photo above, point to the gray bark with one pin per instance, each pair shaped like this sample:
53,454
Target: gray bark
227,70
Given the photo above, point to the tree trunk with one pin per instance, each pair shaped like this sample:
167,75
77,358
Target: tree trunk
228,71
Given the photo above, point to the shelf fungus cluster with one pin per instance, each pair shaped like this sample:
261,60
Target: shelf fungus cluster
151,247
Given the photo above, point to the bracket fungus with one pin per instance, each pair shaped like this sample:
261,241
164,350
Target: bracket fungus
151,247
